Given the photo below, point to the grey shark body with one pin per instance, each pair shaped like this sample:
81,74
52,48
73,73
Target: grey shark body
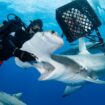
7,99
73,70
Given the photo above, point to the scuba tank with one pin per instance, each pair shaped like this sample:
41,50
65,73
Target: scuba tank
8,26
11,25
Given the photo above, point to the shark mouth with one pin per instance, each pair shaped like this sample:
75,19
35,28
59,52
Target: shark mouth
48,68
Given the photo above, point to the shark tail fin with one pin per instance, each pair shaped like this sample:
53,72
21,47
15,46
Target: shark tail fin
97,81
82,47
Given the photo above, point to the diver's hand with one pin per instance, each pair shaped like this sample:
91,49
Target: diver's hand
25,56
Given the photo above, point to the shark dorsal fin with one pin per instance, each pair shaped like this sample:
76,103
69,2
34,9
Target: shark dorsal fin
18,95
82,47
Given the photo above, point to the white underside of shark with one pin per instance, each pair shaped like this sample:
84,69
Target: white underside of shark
73,70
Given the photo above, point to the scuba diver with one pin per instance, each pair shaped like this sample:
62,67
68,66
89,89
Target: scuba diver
13,33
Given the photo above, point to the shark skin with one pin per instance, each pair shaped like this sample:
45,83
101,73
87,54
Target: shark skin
7,99
73,70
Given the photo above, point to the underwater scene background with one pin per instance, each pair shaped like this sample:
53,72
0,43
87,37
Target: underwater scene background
14,79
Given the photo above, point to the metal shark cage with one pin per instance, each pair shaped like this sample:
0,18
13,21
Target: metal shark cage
78,19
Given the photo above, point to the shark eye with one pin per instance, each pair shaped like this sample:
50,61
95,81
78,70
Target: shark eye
52,31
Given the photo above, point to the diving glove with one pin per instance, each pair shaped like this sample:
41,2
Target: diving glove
25,56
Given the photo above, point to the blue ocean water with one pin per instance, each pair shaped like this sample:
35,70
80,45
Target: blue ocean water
14,79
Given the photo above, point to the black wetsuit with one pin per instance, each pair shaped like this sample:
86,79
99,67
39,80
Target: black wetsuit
11,42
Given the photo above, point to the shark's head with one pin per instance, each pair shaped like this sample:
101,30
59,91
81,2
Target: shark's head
43,43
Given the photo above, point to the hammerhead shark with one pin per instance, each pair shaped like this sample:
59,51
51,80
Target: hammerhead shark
73,70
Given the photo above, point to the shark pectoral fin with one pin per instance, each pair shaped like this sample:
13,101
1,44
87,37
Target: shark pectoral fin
70,89
89,79
18,95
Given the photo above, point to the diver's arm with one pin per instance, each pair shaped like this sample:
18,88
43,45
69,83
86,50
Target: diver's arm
24,56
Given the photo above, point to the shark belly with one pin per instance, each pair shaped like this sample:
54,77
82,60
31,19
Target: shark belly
70,73
71,79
